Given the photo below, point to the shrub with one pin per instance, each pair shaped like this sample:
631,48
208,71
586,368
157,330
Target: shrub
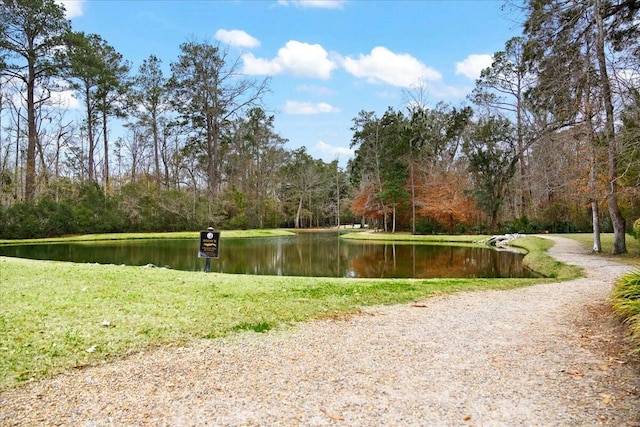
56,218
22,221
238,222
636,228
521,225
428,226
626,301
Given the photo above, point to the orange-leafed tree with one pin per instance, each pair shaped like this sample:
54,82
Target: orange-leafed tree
443,197
368,205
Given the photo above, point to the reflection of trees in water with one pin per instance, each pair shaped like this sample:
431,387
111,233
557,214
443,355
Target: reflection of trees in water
288,256
291,257
437,261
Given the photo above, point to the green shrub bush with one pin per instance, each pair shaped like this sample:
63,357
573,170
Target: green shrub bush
522,225
626,302
428,226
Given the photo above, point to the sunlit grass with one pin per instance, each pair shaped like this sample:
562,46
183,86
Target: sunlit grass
539,260
414,238
137,236
606,239
626,301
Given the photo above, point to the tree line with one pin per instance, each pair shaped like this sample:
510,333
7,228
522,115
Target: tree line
550,140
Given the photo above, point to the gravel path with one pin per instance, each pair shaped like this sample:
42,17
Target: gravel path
546,355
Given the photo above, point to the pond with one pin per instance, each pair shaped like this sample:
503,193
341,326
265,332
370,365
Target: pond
305,254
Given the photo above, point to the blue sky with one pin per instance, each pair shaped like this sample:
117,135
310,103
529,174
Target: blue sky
327,59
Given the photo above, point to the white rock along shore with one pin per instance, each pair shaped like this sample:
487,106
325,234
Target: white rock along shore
545,355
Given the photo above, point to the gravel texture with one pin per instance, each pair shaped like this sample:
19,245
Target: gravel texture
546,355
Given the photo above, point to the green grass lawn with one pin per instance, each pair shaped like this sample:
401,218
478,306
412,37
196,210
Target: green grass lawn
55,316
606,240
136,236
413,238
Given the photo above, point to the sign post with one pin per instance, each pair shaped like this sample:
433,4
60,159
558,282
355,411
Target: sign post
208,246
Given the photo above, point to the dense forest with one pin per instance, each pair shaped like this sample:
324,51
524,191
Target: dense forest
549,139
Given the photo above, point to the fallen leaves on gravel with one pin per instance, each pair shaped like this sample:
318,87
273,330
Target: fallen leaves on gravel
606,398
334,417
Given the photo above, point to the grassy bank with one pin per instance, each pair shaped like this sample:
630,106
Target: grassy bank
136,236
606,240
413,238
538,259
55,316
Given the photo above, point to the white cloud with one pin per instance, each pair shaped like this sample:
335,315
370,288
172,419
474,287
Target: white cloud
66,99
329,153
61,99
384,66
473,65
297,58
318,4
237,38
295,107
260,66
74,8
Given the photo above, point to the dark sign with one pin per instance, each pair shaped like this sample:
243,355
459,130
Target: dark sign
209,244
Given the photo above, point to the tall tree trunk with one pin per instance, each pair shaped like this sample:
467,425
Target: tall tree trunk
44,173
16,170
211,162
338,195
595,210
298,212
413,190
597,247
524,178
393,227
90,136
156,138
494,220
105,138
618,221
57,166
30,178
593,172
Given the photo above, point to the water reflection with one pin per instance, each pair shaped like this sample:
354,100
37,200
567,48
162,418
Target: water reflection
307,254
